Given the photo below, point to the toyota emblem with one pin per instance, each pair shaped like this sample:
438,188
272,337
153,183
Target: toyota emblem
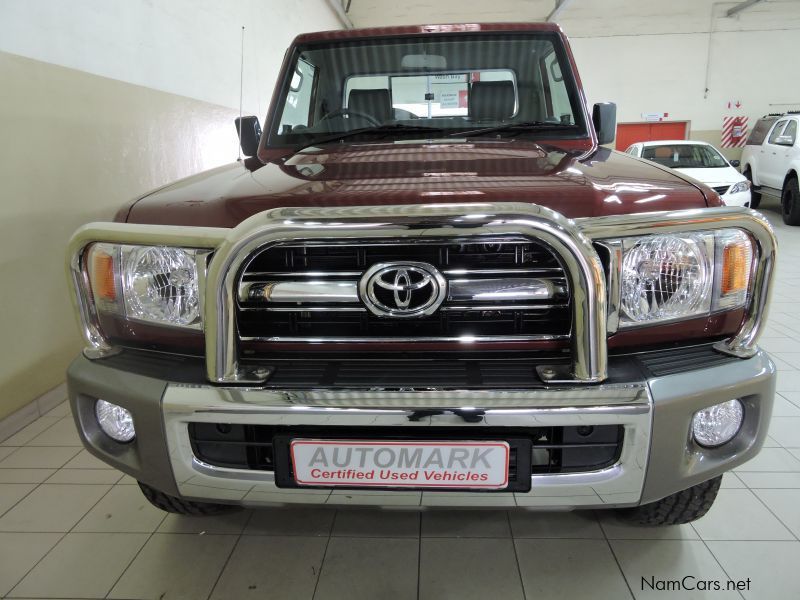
402,289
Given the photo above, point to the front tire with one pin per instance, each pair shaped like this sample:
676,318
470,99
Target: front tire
173,504
790,202
683,507
755,197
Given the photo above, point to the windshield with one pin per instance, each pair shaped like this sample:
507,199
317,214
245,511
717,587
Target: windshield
398,88
685,156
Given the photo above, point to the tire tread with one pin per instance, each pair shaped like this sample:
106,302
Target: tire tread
677,509
179,506
791,212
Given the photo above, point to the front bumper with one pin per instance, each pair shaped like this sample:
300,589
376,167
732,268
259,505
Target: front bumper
657,458
738,199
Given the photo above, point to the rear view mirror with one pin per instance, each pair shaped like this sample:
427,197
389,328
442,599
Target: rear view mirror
424,61
249,131
297,81
604,116
735,163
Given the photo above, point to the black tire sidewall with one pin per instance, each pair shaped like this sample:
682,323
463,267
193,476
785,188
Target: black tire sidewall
755,197
790,202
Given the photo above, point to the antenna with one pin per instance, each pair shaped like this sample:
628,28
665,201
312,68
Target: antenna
241,95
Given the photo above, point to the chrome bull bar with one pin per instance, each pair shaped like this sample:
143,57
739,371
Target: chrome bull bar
594,307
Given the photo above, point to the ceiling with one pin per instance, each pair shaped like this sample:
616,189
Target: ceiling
580,18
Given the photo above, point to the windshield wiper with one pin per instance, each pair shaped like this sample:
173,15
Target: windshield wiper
382,131
517,127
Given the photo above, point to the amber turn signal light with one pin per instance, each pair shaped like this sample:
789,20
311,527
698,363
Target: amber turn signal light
735,268
102,274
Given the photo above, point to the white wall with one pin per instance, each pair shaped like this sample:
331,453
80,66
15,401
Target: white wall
650,62
651,56
101,101
187,47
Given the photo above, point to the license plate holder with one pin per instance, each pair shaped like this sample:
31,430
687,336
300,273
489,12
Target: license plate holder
518,475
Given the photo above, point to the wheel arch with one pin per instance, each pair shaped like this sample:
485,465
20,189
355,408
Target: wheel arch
791,174
748,166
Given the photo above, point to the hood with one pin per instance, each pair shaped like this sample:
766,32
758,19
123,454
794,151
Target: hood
603,183
714,177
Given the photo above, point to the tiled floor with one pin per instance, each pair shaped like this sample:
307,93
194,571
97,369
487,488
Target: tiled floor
71,528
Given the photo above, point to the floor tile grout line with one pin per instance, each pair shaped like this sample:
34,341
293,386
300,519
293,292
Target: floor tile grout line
56,468
58,541
419,554
37,435
516,556
427,537
64,534
37,486
789,529
600,524
111,587
225,565
619,566
10,508
325,553
716,560
135,556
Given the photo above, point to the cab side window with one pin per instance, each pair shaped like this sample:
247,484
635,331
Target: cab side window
776,131
557,105
297,111
791,132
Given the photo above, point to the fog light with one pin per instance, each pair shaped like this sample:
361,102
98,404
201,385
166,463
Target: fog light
716,425
115,421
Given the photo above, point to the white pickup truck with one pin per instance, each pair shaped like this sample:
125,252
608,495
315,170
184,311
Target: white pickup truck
771,161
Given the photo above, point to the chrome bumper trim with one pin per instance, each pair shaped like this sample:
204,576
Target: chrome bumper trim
618,485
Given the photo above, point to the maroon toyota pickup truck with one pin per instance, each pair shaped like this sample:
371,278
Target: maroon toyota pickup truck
427,284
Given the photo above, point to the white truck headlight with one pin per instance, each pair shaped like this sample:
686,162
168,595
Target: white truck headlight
115,421
154,284
666,277
716,425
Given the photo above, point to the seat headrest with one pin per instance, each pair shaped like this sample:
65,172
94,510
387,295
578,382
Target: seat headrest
663,152
491,100
375,103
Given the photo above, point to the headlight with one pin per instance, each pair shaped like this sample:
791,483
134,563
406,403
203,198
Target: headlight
155,284
677,276
742,186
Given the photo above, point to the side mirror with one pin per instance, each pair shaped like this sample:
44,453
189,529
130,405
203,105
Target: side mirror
785,140
604,116
735,163
249,131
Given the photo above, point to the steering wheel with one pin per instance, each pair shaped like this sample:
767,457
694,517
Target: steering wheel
341,112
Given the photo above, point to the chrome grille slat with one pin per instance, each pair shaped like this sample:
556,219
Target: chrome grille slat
343,340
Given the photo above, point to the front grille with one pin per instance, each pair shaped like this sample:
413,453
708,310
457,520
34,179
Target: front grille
721,189
553,449
496,263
